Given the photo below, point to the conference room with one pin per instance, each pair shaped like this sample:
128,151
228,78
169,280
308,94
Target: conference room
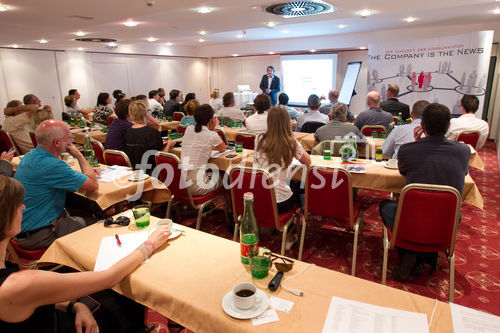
233,166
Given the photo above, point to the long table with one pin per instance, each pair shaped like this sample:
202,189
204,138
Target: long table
186,280
222,161
166,125
79,135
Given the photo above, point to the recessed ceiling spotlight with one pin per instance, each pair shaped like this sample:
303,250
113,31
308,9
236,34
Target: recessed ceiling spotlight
81,49
364,13
234,55
271,52
201,40
204,10
496,11
130,23
313,51
297,9
362,47
169,44
410,19
4,8
112,44
271,24
285,31
341,26
151,39
81,34
255,7
14,46
43,41
239,36
202,32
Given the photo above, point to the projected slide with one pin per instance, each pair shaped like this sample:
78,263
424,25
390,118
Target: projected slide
350,78
303,75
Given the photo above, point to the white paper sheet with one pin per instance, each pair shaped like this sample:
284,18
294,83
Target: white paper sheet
467,320
216,153
346,316
280,304
269,316
113,173
110,252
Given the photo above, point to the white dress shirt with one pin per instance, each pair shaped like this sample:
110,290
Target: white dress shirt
216,104
269,81
154,105
197,147
232,112
398,137
468,122
257,123
313,115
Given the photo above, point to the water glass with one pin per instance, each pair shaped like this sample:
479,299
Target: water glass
141,216
260,263
239,147
327,154
374,134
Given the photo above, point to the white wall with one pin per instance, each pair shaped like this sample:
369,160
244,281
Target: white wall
50,74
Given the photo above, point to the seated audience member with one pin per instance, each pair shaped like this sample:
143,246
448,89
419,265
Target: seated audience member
197,145
468,121
215,100
141,139
189,109
46,179
189,96
277,148
333,97
18,120
313,103
118,95
39,116
429,160
6,168
74,92
229,110
338,128
403,134
172,105
154,106
257,122
374,115
161,92
70,102
116,132
45,301
393,105
102,111
283,101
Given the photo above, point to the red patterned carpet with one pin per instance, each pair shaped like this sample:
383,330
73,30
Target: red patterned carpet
477,259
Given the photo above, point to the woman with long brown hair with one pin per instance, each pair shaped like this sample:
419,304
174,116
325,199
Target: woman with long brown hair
275,151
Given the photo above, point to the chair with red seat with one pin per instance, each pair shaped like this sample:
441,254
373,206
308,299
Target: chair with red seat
469,137
333,202
98,150
432,229
33,139
181,129
258,181
26,259
247,139
110,120
116,157
395,120
9,142
178,116
222,135
169,166
368,129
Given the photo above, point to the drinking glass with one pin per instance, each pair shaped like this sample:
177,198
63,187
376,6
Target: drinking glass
104,129
141,215
260,262
374,134
327,154
238,146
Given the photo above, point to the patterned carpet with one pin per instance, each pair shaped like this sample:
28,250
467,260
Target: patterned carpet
477,259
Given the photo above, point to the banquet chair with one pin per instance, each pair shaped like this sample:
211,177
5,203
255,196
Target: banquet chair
345,214
116,157
432,229
110,120
26,259
469,137
9,142
98,150
244,179
311,126
181,129
178,116
170,173
247,139
33,139
368,129
221,134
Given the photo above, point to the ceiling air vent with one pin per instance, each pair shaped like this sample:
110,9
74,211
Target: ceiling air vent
300,8
95,40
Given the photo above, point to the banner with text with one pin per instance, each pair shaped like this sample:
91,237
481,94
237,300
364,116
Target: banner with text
439,70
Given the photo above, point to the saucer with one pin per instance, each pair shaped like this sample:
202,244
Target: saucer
258,309
390,167
133,177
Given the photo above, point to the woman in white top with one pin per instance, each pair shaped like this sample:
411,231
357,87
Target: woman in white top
197,145
257,123
275,150
215,100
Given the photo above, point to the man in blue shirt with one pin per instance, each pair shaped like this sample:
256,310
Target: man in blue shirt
46,179
403,134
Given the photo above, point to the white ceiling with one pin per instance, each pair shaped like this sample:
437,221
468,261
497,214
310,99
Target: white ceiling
177,22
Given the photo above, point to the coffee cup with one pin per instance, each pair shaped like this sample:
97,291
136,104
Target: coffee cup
164,222
393,163
244,295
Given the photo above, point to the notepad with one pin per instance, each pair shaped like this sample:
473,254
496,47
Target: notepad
110,252
467,320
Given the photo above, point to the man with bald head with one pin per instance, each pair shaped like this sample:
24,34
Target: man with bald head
333,97
374,115
46,179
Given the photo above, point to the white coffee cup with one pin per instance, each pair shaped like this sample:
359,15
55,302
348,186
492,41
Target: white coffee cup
393,163
138,174
162,222
244,302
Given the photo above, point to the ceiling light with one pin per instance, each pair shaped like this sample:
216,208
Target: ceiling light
130,23
364,13
257,7
341,26
81,34
201,40
362,47
81,49
4,8
202,33
271,52
169,44
496,11
285,31
239,36
151,39
297,9
234,55
113,44
313,51
410,19
270,24
43,41
14,46
204,10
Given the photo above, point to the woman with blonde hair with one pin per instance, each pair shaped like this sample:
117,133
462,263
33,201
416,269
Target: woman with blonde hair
215,100
41,115
275,151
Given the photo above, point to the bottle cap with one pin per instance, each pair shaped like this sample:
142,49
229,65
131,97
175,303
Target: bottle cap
248,196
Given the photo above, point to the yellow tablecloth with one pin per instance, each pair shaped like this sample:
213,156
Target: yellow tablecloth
97,135
231,132
186,281
166,125
222,162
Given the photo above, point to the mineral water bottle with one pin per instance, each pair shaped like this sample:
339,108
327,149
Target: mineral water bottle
89,153
249,230
378,154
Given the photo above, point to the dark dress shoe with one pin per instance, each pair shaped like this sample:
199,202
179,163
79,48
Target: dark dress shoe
402,271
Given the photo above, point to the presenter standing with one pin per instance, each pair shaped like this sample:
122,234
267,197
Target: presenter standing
270,85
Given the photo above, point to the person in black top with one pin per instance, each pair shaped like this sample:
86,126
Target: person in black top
393,105
189,96
172,105
270,85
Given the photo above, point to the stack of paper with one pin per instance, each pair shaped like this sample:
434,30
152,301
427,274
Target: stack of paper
110,252
113,173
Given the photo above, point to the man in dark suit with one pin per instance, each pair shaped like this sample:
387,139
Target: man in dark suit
270,85
393,105
429,160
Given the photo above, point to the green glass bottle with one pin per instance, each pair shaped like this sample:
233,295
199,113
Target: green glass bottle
378,154
89,153
249,230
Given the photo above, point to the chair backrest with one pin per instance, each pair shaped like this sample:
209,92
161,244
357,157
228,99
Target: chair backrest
329,194
181,129
368,129
469,137
431,229
33,139
311,126
246,179
8,142
395,119
116,157
98,150
110,120
64,116
178,116
221,134
169,162
247,139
